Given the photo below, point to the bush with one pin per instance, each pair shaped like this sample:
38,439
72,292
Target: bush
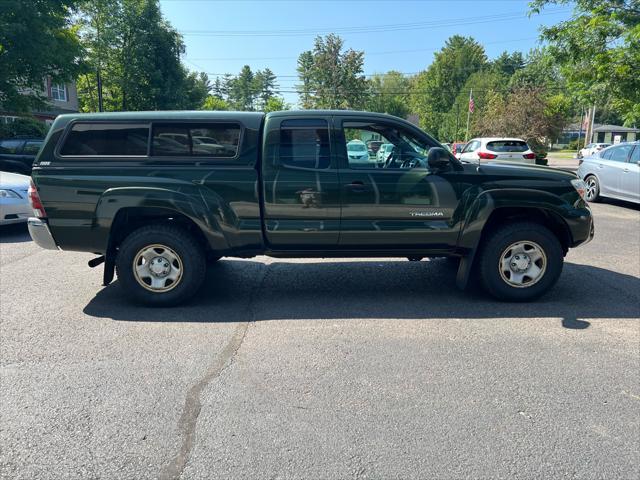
24,127
576,144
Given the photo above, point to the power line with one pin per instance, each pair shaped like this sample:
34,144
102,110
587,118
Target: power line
388,52
366,29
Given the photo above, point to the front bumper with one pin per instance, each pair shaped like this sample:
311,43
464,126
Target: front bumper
40,233
582,227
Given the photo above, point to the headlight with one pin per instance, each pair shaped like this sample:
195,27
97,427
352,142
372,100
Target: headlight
9,194
580,187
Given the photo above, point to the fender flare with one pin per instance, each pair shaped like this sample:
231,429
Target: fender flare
489,201
114,200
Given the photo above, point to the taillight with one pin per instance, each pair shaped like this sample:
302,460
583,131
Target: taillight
487,156
36,203
529,156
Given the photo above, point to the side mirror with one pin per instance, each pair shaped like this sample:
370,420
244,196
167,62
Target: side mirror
438,158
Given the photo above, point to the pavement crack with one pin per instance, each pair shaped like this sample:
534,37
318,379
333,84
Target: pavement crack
193,402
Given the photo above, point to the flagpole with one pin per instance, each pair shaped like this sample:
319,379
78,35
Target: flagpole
466,135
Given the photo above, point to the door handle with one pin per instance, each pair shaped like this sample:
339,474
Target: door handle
626,170
356,186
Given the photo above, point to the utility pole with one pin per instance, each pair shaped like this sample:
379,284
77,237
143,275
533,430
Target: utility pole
582,115
99,80
466,135
455,135
593,119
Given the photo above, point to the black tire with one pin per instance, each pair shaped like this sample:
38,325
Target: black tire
189,253
592,182
497,243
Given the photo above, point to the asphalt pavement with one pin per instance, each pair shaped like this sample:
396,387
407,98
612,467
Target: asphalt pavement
353,368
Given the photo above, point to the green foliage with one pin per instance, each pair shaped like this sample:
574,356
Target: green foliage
437,87
576,144
249,90
484,84
137,55
275,104
215,103
526,112
598,50
389,93
330,77
24,126
508,63
37,41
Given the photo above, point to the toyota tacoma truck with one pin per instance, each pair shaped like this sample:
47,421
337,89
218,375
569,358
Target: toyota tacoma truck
160,195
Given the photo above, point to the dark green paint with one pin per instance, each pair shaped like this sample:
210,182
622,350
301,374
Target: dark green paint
245,208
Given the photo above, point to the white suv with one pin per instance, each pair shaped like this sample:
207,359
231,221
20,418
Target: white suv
497,149
592,148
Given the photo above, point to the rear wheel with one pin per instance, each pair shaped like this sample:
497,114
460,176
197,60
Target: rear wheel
520,262
160,265
593,189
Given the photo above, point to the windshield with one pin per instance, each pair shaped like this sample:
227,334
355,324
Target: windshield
356,147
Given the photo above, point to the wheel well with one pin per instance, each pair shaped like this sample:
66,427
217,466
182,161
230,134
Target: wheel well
129,219
544,217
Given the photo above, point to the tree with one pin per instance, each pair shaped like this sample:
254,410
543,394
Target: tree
330,77
24,126
526,112
436,88
598,50
213,102
135,54
266,87
508,63
389,93
37,41
305,74
484,84
242,90
275,104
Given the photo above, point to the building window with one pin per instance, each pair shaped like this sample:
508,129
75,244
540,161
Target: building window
59,92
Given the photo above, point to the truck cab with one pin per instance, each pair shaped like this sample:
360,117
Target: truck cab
158,195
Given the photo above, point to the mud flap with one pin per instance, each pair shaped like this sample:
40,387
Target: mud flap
464,270
109,268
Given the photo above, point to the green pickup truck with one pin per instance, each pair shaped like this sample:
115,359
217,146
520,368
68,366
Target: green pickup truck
159,195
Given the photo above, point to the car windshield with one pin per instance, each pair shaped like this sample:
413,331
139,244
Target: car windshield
356,147
507,146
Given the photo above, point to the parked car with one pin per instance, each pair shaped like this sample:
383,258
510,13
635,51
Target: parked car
289,190
498,150
17,154
613,172
456,148
384,152
14,201
373,146
592,148
357,152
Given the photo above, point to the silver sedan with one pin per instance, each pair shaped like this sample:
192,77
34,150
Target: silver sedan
613,173
14,201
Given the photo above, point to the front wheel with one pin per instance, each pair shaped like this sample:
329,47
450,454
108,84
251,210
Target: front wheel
160,265
593,189
520,262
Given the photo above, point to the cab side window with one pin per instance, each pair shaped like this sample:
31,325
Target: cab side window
304,143
398,147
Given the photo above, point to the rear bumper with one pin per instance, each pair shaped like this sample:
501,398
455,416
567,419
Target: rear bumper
40,233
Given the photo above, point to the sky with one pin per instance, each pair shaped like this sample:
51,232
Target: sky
223,35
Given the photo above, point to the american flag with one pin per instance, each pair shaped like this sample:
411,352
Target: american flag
472,104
